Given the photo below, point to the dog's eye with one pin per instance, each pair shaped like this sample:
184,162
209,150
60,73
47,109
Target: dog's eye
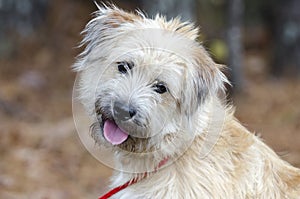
160,88
124,66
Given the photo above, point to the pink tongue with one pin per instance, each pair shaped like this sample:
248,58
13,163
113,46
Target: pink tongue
113,133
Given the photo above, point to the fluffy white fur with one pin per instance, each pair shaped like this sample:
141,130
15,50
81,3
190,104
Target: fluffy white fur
211,155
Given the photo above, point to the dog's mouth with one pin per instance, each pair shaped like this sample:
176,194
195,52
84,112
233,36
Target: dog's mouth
124,135
123,139
113,133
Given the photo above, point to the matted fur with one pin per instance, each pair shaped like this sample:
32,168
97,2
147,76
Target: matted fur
237,164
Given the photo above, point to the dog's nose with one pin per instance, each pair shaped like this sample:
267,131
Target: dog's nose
123,111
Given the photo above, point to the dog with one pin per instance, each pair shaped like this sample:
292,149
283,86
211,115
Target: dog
155,96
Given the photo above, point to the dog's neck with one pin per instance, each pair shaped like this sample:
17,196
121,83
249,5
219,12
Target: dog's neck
133,180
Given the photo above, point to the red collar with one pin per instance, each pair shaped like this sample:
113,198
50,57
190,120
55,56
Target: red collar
132,181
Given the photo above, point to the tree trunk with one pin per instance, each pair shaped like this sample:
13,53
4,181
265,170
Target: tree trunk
286,40
234,34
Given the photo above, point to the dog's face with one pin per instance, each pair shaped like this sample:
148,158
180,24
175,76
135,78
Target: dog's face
144,79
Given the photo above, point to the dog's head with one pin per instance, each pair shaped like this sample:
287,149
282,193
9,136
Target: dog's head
144,79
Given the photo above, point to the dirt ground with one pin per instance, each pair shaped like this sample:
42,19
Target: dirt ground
41,154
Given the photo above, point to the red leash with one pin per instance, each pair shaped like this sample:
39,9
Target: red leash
131,182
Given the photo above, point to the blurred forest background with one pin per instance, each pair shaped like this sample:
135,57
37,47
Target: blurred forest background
41,154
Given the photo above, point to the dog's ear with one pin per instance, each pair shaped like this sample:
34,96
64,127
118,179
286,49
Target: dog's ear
100,32
203,80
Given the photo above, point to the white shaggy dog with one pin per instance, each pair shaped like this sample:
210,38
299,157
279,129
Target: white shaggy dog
155,93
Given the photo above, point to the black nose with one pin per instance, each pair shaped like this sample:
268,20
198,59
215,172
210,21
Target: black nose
123,111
